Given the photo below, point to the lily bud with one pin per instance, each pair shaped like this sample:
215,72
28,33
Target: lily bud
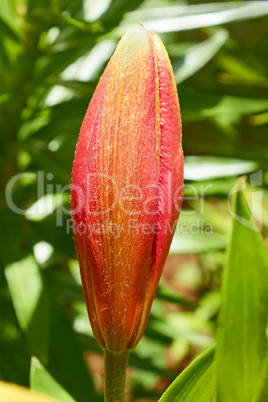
127,184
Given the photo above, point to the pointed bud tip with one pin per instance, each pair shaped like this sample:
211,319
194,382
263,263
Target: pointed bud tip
135,36
133,49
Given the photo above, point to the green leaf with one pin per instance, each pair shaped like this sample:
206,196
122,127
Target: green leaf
263,396
220,186
164,293
41,381
8,13
181,18
196,383
53,65
6,30
31,302
15,359
198,107
242,340
238,72
186,242
180,326
93,10
66,362
4,98
116,9
197,56
211,167
89,67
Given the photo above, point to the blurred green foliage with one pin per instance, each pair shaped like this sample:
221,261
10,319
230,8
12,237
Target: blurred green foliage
52,53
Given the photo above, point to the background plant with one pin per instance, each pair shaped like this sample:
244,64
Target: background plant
51,56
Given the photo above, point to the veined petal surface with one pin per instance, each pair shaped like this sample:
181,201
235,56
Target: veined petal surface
126,187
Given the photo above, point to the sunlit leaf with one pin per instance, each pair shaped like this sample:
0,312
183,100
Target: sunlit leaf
45,205
88,66
209,167
43,382
198,107
116,10
190,239
66,362
263,395
15,360
5,30
31,302
53,66
210,187
8,15
93,10
242,341
176,18
180,18
197,56
196,383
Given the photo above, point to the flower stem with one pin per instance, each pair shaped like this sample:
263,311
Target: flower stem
115,366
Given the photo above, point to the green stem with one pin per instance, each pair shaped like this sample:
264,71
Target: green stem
115,367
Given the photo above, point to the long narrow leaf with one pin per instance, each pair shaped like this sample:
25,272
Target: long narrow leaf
196,383
31,303
199,55
242,340
180,19
43,382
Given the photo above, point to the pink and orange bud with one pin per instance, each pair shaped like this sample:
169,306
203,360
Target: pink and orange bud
127,187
